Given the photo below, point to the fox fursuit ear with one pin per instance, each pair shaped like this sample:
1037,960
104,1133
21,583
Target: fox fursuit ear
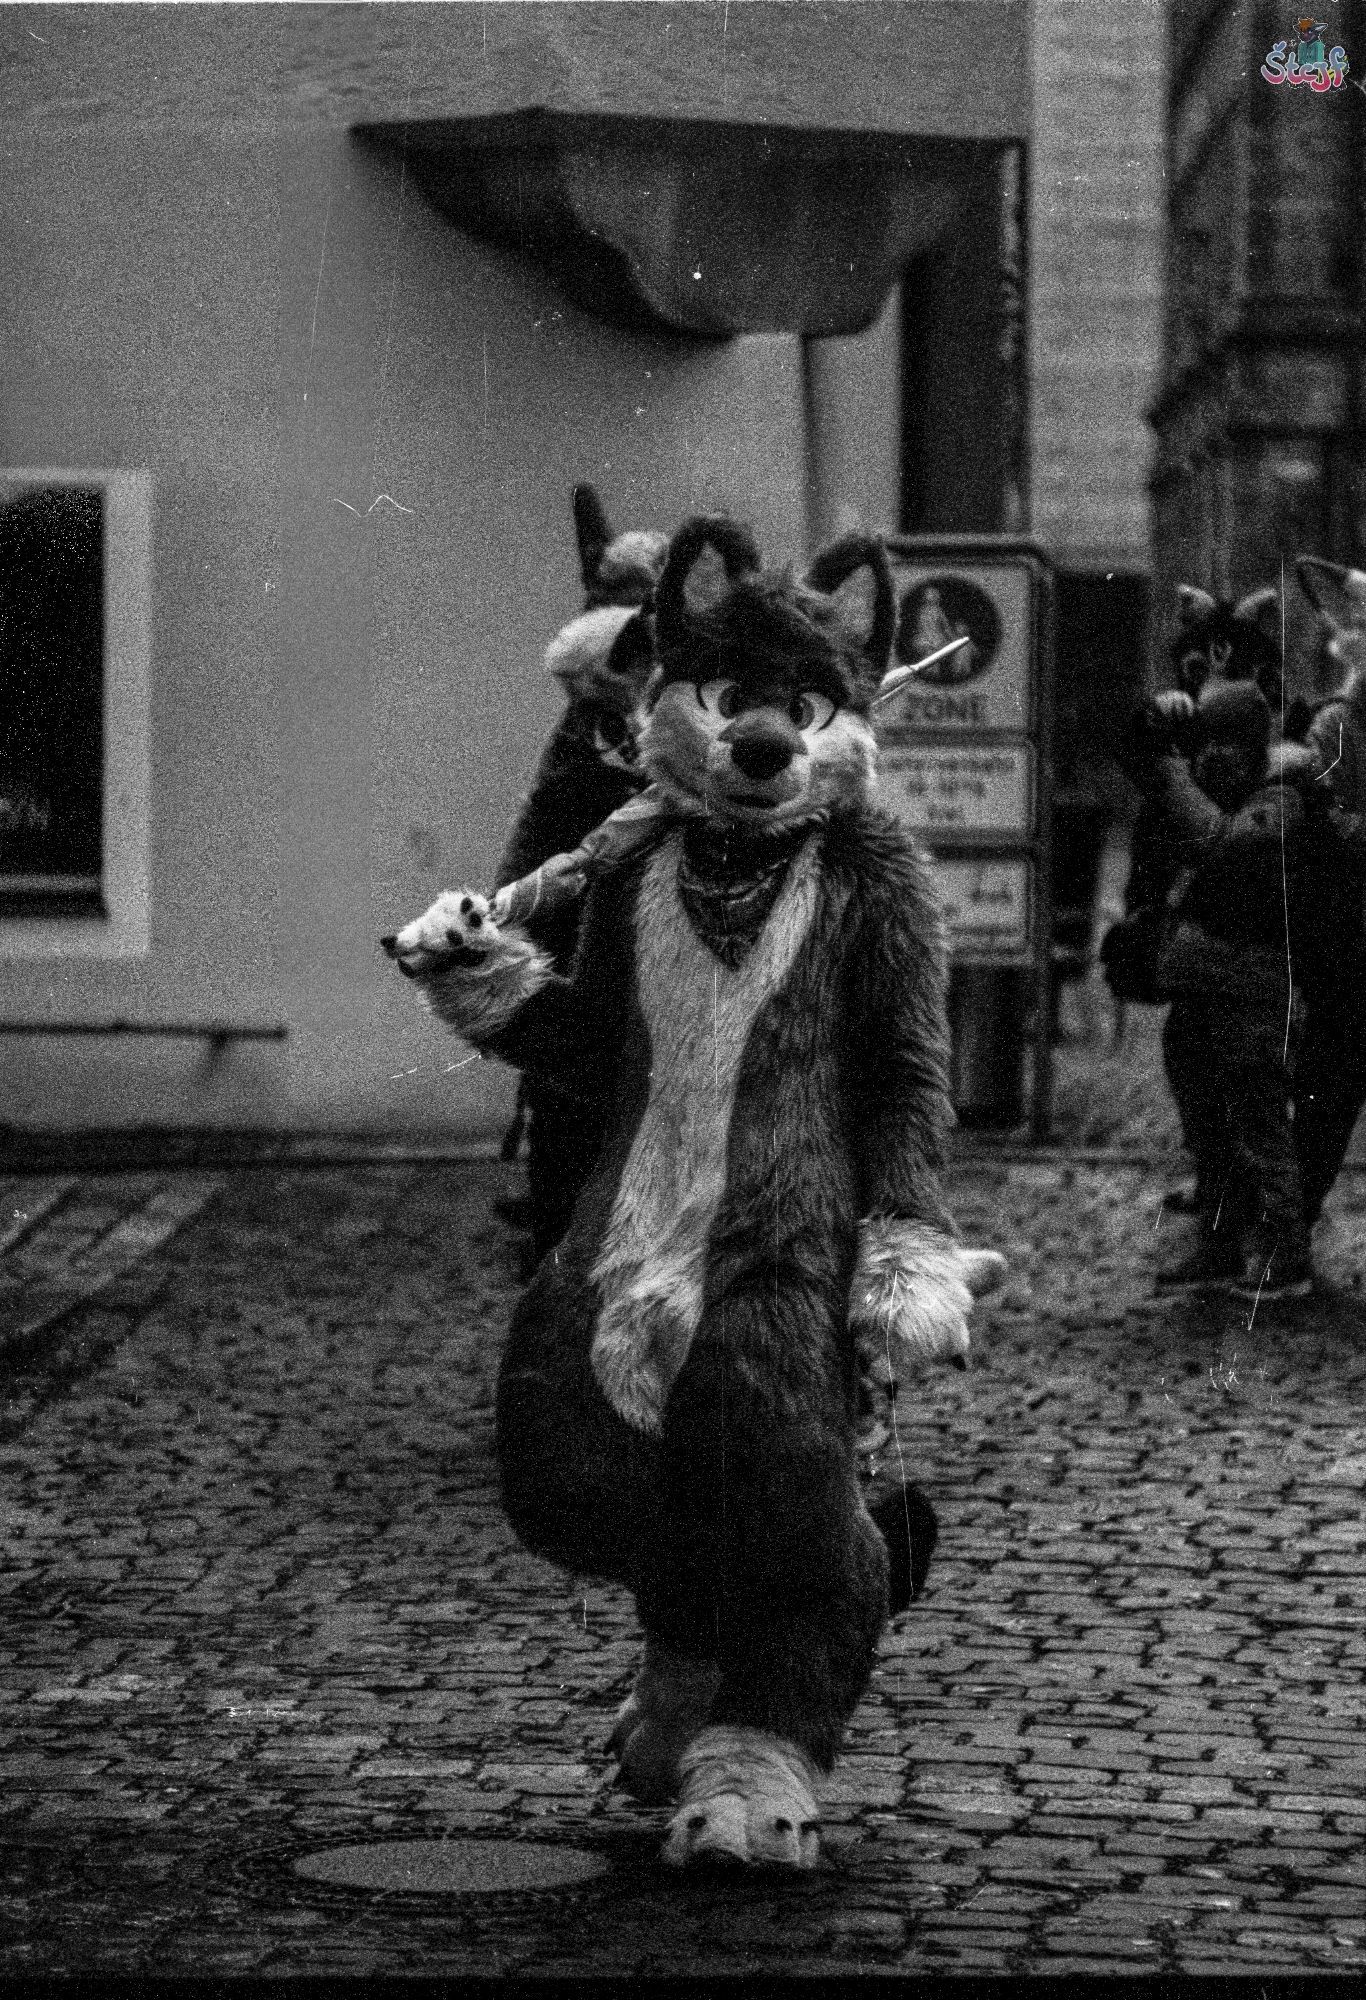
593,532
706,556
1337,593
1261,609
1192,605
580,653
855,574
616,569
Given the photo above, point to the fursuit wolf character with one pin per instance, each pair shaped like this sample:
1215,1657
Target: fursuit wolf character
1241,822
1330,1080
758,1006
1215,640
590,766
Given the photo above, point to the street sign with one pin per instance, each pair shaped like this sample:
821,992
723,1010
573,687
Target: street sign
965,746
941,789
986,906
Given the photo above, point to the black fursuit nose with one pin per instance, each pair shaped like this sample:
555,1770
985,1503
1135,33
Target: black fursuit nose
390,944
760,757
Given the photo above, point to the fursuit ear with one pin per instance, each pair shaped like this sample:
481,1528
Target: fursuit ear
855,574
1262,610
593,532
1193,606
706,556
1337,593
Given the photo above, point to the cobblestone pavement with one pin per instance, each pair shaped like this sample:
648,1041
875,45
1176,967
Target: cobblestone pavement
259,1600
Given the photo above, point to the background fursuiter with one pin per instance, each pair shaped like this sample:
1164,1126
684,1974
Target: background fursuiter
1330,1080
676,1402
1335,728
589,767
1216,639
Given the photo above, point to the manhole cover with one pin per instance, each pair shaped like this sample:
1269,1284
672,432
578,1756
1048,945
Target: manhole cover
452,1867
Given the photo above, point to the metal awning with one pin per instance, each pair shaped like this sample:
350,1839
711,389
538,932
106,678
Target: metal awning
707,228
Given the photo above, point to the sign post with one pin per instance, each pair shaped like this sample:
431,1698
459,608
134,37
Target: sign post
966,753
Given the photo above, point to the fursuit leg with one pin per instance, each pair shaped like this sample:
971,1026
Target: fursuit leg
576,1481
763,1557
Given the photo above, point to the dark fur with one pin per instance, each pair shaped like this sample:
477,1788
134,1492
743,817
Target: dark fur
573,791
1330,1078
1216,639
741,1527
769,631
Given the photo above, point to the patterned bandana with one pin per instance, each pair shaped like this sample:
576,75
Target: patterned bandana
729,878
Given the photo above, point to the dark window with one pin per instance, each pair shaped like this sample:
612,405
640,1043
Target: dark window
1101,663
51,700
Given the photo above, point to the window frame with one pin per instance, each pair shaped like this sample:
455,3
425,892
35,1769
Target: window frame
122,929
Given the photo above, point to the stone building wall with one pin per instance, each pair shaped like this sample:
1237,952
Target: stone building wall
1259,418
1095,263
1095,278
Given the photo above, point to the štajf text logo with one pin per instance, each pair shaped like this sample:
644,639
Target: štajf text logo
1305,60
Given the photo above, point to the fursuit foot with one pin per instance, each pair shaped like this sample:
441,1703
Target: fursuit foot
668,1705
747,1799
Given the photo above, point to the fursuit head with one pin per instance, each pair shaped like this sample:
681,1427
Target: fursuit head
1335,728
1338,595
1219,640
757,1005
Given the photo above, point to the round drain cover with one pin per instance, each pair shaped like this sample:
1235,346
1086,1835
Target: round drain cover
452,1867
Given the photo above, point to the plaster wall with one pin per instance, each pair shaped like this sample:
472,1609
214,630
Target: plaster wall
357,430
859,65
346,691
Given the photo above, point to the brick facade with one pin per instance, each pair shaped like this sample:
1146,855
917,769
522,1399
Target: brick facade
1095,263
1094,340
1261,415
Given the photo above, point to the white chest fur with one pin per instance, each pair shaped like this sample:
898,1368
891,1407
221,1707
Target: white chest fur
699,1014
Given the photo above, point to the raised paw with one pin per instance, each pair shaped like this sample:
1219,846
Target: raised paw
456,930
748,1800
474,972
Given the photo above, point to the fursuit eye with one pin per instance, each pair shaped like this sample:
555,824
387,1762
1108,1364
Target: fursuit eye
810,710
611,730
719,698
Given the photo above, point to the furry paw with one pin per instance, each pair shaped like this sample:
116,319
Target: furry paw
456,930
912,1292
747,1797
659,1718
474,973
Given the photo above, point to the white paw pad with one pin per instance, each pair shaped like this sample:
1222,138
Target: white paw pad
747,1798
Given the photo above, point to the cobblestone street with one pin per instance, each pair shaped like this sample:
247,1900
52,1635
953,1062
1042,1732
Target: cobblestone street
260,1602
